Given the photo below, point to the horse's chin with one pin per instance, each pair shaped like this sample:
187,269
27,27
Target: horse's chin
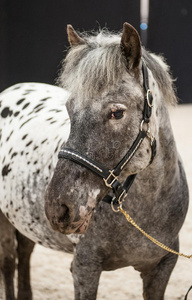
74,228
84,224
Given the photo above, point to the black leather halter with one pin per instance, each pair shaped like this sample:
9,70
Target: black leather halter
110,177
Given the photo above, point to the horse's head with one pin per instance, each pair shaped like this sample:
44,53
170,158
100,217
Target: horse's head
103,74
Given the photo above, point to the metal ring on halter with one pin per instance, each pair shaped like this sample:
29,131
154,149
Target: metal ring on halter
141,126
119,204
122,197
148,102
112,205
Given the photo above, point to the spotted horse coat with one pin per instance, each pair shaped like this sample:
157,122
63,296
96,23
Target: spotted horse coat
33,122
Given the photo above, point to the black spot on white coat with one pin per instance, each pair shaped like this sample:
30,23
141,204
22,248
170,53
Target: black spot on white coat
6,112
5,170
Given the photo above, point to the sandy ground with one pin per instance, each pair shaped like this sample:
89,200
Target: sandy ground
51,278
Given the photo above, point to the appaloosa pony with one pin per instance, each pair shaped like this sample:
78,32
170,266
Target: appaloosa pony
31,116
120,132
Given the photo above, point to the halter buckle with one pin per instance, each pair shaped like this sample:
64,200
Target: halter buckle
149,134
148,101
112,178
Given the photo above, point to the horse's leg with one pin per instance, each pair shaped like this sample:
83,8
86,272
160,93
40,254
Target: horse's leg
2,296
86,273
24,249
7,255
156,280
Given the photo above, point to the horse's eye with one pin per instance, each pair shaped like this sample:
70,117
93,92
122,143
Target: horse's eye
117,114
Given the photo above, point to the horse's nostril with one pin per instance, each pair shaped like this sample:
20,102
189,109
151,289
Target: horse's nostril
63,213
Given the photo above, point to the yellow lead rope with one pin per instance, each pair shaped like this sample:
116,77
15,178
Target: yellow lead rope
130,220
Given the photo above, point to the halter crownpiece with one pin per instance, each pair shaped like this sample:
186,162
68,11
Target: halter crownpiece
110,177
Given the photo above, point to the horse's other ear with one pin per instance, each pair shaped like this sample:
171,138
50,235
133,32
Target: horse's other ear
73,38
131,45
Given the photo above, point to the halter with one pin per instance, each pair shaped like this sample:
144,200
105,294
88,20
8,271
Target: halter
110,177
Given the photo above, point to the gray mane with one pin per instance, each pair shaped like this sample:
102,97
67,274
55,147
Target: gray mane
161,73
91,69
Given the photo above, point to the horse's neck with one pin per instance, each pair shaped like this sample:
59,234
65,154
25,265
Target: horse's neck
161,127
166,141
166,159
164,168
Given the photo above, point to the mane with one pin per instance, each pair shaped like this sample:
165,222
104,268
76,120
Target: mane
162,75
92,68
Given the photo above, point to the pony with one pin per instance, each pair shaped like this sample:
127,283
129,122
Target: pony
116,95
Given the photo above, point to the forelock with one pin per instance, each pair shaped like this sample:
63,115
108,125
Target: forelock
91,69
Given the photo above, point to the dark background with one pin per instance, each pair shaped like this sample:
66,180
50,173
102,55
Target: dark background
33,35
170,33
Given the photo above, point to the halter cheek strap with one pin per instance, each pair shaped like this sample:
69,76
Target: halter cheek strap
110,177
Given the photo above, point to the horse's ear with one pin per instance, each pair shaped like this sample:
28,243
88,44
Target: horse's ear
73,38
131,45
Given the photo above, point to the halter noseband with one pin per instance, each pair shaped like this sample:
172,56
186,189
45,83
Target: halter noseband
110,177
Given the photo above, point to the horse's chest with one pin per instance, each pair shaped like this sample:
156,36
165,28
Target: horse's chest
120,244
